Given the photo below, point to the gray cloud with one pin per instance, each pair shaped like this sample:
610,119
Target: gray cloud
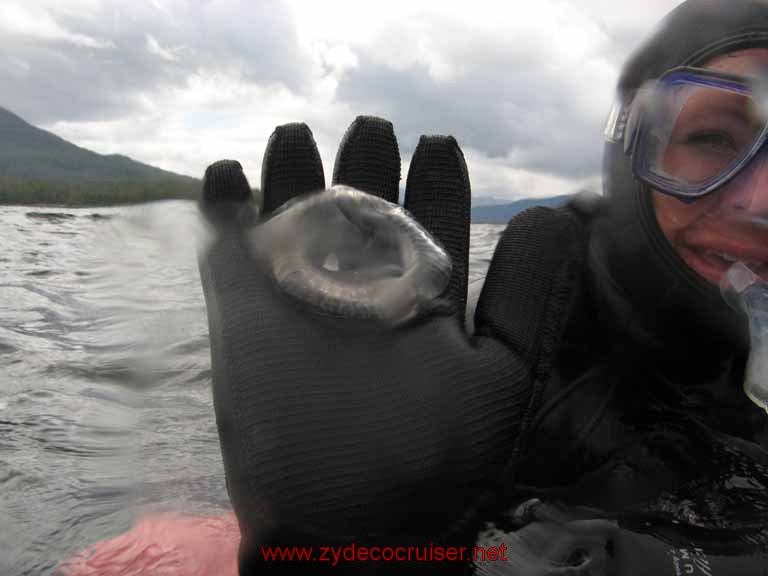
504,106
530,92
525,97
54,80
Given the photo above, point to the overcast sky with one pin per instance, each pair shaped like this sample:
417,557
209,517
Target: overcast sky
525,87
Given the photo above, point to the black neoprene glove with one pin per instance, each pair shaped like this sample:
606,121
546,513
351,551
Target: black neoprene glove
567,541
337,423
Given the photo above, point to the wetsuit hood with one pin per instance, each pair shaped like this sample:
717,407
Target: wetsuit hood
654,294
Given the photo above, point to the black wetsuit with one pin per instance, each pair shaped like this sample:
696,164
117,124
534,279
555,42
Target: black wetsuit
614,383
648,427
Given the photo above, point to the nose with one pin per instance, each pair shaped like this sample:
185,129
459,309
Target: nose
748,192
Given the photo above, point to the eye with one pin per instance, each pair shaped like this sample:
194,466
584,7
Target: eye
712,140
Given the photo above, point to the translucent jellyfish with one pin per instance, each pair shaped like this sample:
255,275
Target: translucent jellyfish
351,254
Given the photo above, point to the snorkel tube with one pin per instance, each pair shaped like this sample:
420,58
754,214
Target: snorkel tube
746,292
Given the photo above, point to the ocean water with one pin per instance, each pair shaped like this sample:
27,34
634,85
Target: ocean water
106,412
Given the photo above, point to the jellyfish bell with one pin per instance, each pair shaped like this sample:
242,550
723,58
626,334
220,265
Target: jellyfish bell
378,263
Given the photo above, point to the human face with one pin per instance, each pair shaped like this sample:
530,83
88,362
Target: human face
730,224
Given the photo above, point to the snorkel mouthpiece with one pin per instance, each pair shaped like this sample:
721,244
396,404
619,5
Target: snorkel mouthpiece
748,293
351,254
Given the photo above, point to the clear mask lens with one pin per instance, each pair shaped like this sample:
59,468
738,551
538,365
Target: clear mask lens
694,133
696,129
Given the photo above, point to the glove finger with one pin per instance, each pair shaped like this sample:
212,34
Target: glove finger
291,166
530,280
225,192
369,159
438,195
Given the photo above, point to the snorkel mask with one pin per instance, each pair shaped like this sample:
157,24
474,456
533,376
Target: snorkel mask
693,130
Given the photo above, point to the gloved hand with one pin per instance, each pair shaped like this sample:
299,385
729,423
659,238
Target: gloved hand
351,404
559,541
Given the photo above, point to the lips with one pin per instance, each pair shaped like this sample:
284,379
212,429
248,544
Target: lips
712,259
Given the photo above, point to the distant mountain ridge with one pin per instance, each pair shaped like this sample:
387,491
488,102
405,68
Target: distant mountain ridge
30,153
38,167
501,213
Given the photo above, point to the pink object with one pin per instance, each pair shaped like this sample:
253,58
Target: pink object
164,545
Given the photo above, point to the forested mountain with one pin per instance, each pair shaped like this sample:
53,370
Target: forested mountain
37,166
27,152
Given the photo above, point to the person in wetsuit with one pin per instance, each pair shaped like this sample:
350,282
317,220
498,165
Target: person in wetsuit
594,421
605,368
